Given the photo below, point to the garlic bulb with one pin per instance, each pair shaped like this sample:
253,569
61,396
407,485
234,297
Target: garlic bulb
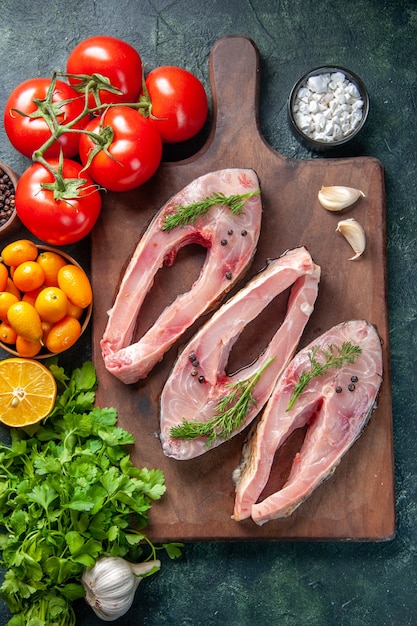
337,197
354,233
111,584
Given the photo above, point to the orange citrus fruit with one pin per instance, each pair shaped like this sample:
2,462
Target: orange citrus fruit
46,327
51,263
4,275
51,304
27,391
30,296
74,311
25,320
11,287
63,334
7,334
19,251
28,276
6,300
27,348
75,283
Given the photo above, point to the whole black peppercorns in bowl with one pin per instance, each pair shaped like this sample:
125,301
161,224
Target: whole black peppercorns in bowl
9,221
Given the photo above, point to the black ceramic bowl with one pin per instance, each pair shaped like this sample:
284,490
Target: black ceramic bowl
327,108
9,223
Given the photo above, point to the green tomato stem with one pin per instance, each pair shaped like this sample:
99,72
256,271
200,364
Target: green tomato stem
47,110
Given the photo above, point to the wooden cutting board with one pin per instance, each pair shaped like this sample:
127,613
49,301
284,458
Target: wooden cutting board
357,503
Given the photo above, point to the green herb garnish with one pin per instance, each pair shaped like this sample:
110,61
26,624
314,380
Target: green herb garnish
231,412
334,357
182,215
68,495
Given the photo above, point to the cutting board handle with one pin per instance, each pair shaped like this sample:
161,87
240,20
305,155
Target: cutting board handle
234,70
234,80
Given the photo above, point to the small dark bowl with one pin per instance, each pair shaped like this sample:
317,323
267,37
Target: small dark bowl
320,145
13,222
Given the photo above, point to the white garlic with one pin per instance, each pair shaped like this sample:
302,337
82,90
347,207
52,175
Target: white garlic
354,233
336,197
111,584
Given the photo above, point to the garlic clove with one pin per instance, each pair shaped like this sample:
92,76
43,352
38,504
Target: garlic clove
111,584
354,233
336,197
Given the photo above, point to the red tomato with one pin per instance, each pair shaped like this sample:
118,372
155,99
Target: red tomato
110,57
135,149
62,221
179,102
27,134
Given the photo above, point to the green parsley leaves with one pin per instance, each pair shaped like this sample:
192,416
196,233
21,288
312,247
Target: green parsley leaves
68,495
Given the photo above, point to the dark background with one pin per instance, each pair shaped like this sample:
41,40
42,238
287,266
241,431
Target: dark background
289,584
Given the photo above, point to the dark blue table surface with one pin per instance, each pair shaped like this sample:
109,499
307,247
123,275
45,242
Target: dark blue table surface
288,584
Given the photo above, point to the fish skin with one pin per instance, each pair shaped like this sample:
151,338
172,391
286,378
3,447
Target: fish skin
335,421
130,362
184,397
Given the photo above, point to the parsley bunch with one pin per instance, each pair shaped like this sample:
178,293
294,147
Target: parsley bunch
68,495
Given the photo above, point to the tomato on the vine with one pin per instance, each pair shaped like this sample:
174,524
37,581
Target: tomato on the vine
179,104
112,58
28,131
130,156
66,219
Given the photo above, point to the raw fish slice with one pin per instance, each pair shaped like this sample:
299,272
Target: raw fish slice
199,381
336,407
223,266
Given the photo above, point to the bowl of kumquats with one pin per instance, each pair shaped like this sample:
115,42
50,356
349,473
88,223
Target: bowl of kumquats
45,300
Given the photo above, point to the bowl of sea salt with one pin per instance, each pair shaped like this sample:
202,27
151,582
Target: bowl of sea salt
327,107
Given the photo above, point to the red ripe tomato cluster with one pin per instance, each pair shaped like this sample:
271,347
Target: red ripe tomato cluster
108,129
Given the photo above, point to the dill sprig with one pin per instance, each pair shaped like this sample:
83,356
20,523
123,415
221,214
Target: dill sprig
182,215
334,357
231,412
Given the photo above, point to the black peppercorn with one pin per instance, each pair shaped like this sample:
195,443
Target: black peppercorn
354,379
193,358
223,242
338,390
201,379
228,275
7,198
351,387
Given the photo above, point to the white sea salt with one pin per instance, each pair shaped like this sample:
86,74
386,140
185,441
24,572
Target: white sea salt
328,107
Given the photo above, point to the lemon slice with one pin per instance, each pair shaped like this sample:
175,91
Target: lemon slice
27,391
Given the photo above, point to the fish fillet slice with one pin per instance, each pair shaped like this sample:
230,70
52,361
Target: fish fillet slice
195,397
336,416
225,263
